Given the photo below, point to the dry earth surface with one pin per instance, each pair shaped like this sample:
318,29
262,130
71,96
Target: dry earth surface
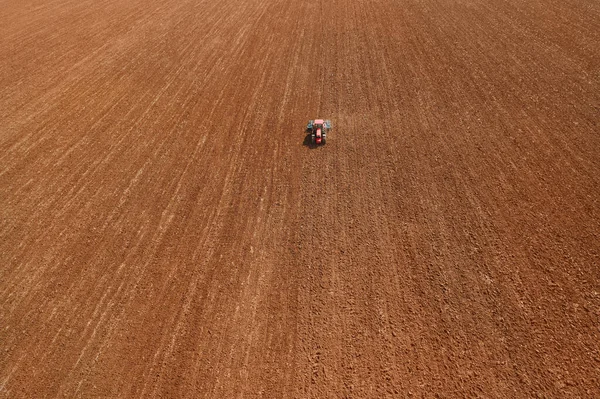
165,232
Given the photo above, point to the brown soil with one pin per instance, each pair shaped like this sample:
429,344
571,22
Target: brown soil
164,232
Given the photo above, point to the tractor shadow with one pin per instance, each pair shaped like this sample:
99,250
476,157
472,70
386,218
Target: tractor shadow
308,142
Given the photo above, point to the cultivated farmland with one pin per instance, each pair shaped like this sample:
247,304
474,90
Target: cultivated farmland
166,232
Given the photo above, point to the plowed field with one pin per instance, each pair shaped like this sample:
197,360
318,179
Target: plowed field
165,231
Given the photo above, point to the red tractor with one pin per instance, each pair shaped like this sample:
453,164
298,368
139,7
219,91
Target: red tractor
318,129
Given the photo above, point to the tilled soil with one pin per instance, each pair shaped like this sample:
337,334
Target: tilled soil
165,231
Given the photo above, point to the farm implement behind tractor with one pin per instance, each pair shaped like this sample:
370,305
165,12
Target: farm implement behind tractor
318,129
